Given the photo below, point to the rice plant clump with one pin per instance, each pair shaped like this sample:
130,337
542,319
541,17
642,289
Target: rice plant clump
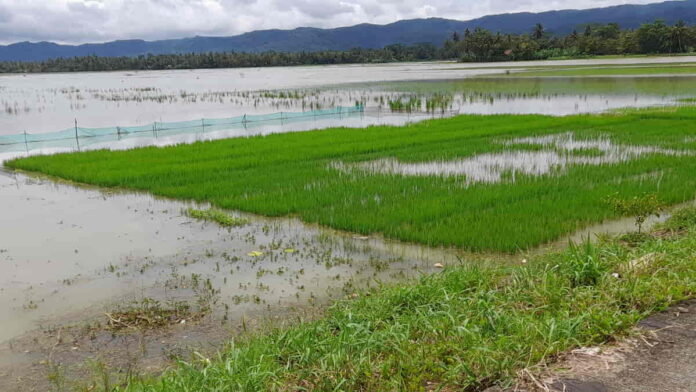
218,216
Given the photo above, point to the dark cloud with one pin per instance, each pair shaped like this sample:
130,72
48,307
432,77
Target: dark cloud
78,21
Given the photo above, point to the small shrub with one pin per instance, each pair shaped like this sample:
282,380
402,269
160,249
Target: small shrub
642,207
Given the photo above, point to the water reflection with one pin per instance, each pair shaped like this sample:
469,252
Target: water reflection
560,152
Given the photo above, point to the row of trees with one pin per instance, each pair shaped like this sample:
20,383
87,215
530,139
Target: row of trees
650,38
391,53
476,45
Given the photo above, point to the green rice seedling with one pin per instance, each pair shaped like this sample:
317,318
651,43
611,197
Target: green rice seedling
429,182
405,104
439,102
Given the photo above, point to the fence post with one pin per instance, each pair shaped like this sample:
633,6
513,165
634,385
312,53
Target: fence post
77,138
26,144
281,118
154,129
118,132
244,121
203,124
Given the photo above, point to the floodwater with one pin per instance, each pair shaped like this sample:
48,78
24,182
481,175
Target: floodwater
92,246
70,253
560,152
39,103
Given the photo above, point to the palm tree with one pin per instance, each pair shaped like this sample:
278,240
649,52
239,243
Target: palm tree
538,31
677,35
588,31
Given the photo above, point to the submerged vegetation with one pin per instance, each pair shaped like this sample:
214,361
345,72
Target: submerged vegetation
604,70
214,215
150,313
467,328
535,178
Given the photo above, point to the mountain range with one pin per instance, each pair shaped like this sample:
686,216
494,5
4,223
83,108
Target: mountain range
432,30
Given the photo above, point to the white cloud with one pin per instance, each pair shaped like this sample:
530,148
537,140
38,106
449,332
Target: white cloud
79,21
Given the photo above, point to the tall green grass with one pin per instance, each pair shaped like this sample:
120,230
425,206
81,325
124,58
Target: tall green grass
465,329
291,174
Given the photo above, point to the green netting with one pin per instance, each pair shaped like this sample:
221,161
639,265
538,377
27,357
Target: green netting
69,138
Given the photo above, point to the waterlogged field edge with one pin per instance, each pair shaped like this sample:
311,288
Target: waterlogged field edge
296,174
468,328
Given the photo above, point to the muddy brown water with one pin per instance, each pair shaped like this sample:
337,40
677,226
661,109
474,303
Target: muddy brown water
70,253
39,103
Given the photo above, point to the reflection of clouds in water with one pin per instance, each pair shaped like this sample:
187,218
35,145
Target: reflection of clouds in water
563,150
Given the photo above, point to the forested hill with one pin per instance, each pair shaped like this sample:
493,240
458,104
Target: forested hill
433,31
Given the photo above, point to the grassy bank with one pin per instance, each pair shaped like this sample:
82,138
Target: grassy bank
317,177
467,328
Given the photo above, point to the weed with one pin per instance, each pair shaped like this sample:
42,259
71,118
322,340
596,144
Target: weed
642,207
220,217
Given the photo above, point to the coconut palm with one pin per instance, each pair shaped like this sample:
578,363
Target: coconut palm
538,31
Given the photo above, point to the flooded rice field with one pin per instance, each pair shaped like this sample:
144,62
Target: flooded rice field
39,103
69,255
85,271
559,152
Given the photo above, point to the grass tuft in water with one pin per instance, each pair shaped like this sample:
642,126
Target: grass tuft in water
218,216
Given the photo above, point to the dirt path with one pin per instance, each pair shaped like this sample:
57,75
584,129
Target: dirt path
663,360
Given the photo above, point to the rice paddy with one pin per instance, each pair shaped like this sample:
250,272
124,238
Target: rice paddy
500,203
212,240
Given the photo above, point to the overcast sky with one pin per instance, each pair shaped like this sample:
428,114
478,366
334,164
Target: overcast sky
79,21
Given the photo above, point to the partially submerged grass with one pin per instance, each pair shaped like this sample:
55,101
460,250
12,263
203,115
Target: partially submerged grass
149,313
214,215
466,329
294,174
523,85
664,69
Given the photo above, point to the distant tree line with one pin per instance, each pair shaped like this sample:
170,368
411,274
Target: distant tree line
391,53
595,39
471,46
